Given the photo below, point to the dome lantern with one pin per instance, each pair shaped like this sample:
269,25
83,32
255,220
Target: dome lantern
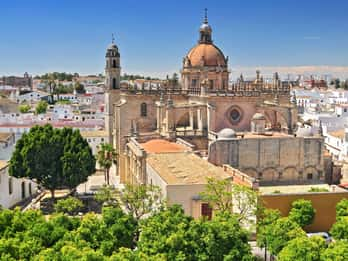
205,30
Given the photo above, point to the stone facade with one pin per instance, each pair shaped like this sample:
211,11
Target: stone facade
196,113
272,159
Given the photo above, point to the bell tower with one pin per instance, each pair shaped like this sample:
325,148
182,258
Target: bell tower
112,67
112,85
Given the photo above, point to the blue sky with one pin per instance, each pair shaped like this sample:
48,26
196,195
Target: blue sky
153,36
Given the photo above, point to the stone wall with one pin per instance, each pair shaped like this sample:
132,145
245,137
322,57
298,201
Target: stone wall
273,160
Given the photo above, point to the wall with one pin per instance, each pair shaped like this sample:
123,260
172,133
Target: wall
7,200
272,159
324,203
184,195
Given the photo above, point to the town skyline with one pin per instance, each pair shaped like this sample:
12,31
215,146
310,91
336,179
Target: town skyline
293,38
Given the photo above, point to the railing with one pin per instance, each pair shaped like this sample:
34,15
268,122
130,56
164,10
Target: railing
190,132
236,89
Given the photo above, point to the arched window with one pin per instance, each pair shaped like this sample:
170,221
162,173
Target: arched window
143,110
114,63
113,83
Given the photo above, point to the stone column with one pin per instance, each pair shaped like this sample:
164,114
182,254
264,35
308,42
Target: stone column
191,119
199,120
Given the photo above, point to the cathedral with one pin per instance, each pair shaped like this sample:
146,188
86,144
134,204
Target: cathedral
248,125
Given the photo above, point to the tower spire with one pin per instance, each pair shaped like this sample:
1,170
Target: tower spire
112,38
206,15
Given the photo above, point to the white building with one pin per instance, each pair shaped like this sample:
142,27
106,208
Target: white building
32,97
336,143
95,139
14,190
62,112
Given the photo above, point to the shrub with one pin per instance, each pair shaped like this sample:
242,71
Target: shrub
69,206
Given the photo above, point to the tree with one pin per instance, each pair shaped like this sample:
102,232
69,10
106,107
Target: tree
107,196
41,107
140,200
337,83
245,202
303,249
339,230
218,193
283,230
223,196
265,224
55,158
336,251
342,208
70,205
178,237
106,157
25,108
79,87
302,212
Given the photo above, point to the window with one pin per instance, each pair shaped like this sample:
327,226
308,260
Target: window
30,189
102,139
194,83
206,211
309,176
10,185
143,110
114,63
23,189
211,84
113,83
235,115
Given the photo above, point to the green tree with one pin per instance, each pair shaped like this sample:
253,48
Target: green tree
265,223
342,208
25,108
106,157
179,237
303,249
336,251
41,107
218,193
223,196
339,230
107,196
55,158
69,205
140,200
284,230
79,87
337,83
302,212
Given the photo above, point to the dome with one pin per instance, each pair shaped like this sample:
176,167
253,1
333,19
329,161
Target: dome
211,55
112,46
205,27
258,116
304,132
226,133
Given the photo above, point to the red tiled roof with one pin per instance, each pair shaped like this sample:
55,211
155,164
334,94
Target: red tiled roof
161,146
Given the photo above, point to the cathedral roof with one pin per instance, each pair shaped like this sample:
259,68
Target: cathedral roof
206,54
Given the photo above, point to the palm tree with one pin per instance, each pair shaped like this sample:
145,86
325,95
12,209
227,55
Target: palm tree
106,157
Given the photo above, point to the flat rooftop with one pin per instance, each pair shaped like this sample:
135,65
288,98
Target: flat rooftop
299,189
184,168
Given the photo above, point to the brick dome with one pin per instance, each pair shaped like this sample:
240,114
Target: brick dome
209,53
